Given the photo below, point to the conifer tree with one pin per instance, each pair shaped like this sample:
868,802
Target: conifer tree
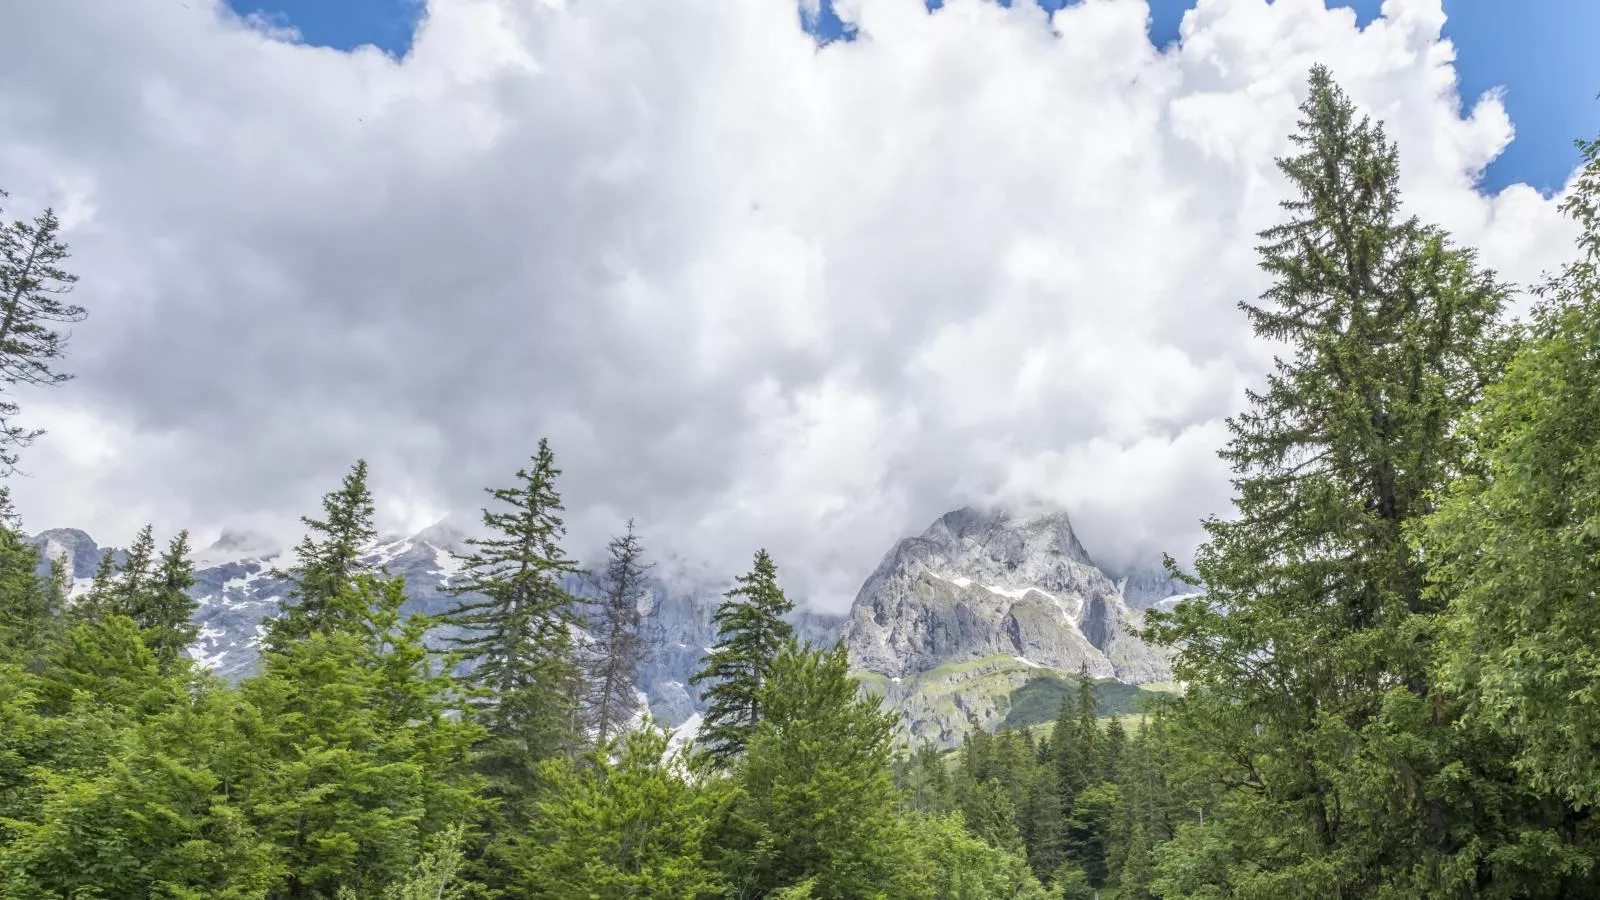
1042,826
818,801
625,823
365,762
750,633
32,287
951,864
1112,747
611,664
97,602
166,610
1086,730
31,606
1307,655
135,576
328,563
1075,741
514,619
926,781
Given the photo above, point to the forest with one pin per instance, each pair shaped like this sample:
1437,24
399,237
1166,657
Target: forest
1391,681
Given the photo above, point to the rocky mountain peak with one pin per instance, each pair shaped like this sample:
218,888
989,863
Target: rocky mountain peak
82,553
1006,540
981,602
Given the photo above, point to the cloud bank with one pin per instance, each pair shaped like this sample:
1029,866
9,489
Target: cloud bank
756,292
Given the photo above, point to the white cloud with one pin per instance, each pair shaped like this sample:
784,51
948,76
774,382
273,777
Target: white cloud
757,293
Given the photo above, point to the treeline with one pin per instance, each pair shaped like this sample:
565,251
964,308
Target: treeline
1084,802
358,762
1390,670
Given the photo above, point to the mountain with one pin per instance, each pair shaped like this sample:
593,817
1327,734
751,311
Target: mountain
1150,586
79,550
236,593
956,620
948,627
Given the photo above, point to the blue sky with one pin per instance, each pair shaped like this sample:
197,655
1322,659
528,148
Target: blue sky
1540,51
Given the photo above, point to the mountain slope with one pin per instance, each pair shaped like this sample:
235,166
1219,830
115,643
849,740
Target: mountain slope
236,593
950,624
956,619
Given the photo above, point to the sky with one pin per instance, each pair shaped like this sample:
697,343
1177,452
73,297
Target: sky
758,287
1538,52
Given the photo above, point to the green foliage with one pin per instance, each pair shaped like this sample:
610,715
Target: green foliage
1308,655
157,598
135,576
31,607
105,665
328,563
97,602
1076,741
817,798
1038,700
366,761
153,821
750,633
32,285
514,632
1072,883
1514,542
953,865
436,875
625,821
925,777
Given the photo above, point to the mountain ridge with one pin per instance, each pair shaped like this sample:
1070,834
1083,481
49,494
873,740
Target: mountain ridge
948,624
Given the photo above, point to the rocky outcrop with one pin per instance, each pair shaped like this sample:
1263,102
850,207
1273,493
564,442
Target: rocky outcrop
955,619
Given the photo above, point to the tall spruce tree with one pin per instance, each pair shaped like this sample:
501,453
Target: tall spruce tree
32,287
611,662
99,600
167,612
135,576
1075,742
514,620
750,633
1308,653
328,563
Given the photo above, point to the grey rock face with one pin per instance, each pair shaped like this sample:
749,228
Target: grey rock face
953,620
80,551
981,584
1147,586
